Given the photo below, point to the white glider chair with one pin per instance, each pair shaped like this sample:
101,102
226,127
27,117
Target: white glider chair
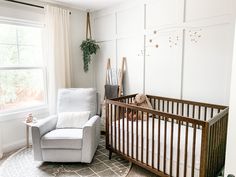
53,144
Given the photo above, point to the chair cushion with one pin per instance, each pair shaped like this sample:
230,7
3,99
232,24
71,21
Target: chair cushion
63,139
72,119
77,100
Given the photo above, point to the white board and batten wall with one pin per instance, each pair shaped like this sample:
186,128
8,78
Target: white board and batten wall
174,48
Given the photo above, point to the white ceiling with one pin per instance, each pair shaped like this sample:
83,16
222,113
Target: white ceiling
90,5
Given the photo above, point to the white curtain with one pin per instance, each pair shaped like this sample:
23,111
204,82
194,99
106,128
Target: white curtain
57,52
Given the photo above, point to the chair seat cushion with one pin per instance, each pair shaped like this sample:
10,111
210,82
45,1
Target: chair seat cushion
63,139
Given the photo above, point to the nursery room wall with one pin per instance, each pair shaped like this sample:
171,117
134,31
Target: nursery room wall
12,130
180,49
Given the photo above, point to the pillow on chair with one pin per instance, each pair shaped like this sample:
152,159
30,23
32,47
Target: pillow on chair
72,119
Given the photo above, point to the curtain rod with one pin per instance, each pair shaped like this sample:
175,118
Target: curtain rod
27,4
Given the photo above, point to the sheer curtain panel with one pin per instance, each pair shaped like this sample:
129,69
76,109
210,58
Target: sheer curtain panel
57,52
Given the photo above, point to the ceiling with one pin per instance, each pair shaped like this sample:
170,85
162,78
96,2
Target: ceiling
91,5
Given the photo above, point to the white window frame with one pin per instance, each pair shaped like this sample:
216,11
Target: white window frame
44,105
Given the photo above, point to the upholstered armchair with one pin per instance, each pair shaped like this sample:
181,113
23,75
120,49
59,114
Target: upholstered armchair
69,144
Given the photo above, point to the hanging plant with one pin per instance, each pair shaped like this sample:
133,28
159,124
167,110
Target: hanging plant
88,46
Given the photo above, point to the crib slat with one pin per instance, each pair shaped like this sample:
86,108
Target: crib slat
214,147
212,112
178,149
147,138
115,126
127,115
177,111
186,151
132,134
153,129
171,147
163,105
137,143
107,125
172,107
193,116
119,127
155,103
193,151
187,110
205,113
158,105
142,138
159,142
111,125
218,145
123,128
210,151
164,159
221,140
168,106
199,112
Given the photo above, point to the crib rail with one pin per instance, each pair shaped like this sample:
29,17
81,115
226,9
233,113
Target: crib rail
176,138
196,110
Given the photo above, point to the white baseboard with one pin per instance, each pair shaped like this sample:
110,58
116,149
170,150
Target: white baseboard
13,146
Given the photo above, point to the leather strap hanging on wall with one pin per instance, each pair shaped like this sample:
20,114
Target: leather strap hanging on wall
88,27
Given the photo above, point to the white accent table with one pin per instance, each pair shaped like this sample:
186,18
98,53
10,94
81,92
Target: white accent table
28,126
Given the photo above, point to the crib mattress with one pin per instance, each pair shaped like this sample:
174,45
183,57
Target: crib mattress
130,137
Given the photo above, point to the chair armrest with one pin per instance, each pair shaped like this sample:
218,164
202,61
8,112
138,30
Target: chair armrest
45,125
91,137
38,130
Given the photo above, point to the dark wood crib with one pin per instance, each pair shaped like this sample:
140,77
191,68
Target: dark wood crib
175,138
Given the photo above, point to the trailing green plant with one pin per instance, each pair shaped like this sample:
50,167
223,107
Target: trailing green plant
88,48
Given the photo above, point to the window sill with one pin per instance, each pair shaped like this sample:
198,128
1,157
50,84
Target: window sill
38,111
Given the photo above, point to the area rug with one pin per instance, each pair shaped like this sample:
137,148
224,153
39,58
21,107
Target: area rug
21,164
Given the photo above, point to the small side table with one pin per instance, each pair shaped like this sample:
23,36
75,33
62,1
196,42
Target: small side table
28,126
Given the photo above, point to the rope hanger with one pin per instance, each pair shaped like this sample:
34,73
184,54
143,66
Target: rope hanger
88,27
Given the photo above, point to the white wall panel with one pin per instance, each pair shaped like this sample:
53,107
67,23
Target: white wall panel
107,50
133,77
127,23
163,64
105,27
201,9
205,58
207,67
163,12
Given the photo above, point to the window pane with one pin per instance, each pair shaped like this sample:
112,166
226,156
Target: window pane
29,36
7,34
21,89
30,55
8,55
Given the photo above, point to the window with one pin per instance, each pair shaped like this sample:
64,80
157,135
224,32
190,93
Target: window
22,73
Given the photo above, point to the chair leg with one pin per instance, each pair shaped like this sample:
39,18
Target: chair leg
110,154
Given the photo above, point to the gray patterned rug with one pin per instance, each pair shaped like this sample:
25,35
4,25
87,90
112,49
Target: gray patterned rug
21,164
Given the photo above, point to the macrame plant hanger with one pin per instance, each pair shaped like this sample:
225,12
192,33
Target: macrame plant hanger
88,27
